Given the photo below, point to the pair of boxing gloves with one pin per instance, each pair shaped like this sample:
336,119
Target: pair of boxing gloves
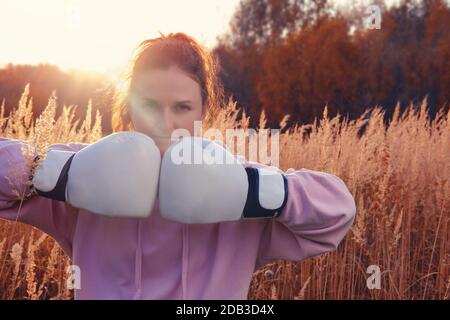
121,175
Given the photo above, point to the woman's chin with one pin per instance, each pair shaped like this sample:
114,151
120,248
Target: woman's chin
163,144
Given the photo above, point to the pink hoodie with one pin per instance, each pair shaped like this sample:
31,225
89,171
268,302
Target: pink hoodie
155,258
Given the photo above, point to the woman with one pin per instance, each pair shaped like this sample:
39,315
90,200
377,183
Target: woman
157,258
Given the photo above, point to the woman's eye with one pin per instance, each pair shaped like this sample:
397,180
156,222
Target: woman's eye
184,107
150,105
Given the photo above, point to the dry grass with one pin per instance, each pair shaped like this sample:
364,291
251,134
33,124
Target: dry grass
32,265
398,175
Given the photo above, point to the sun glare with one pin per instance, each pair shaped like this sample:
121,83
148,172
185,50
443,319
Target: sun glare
100,35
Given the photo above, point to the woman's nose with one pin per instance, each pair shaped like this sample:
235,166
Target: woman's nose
167,121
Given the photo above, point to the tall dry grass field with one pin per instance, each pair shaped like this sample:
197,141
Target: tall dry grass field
398,175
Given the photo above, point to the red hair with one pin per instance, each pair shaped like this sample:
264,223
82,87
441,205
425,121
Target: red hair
174,48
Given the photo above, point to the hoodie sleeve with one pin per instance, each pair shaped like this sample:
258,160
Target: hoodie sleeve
319,212
53,217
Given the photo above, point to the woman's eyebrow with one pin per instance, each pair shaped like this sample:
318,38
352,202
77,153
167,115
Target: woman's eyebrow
151,100
184,101
147,100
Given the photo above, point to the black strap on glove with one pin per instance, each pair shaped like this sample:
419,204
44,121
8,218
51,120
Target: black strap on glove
253,208
59,191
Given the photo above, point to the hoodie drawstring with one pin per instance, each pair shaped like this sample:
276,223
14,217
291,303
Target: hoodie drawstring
184,264
138,263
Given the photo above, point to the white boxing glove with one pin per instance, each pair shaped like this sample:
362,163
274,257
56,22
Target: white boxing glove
116,176
202,182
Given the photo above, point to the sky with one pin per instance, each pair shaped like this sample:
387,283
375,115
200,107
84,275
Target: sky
100,35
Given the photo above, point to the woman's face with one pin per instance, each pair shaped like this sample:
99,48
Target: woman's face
165,100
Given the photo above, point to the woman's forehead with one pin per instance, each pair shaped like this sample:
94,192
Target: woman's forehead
166,81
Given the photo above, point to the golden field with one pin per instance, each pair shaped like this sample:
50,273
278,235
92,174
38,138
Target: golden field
398,174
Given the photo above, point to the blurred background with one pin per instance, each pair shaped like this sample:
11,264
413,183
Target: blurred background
320,70
282,56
